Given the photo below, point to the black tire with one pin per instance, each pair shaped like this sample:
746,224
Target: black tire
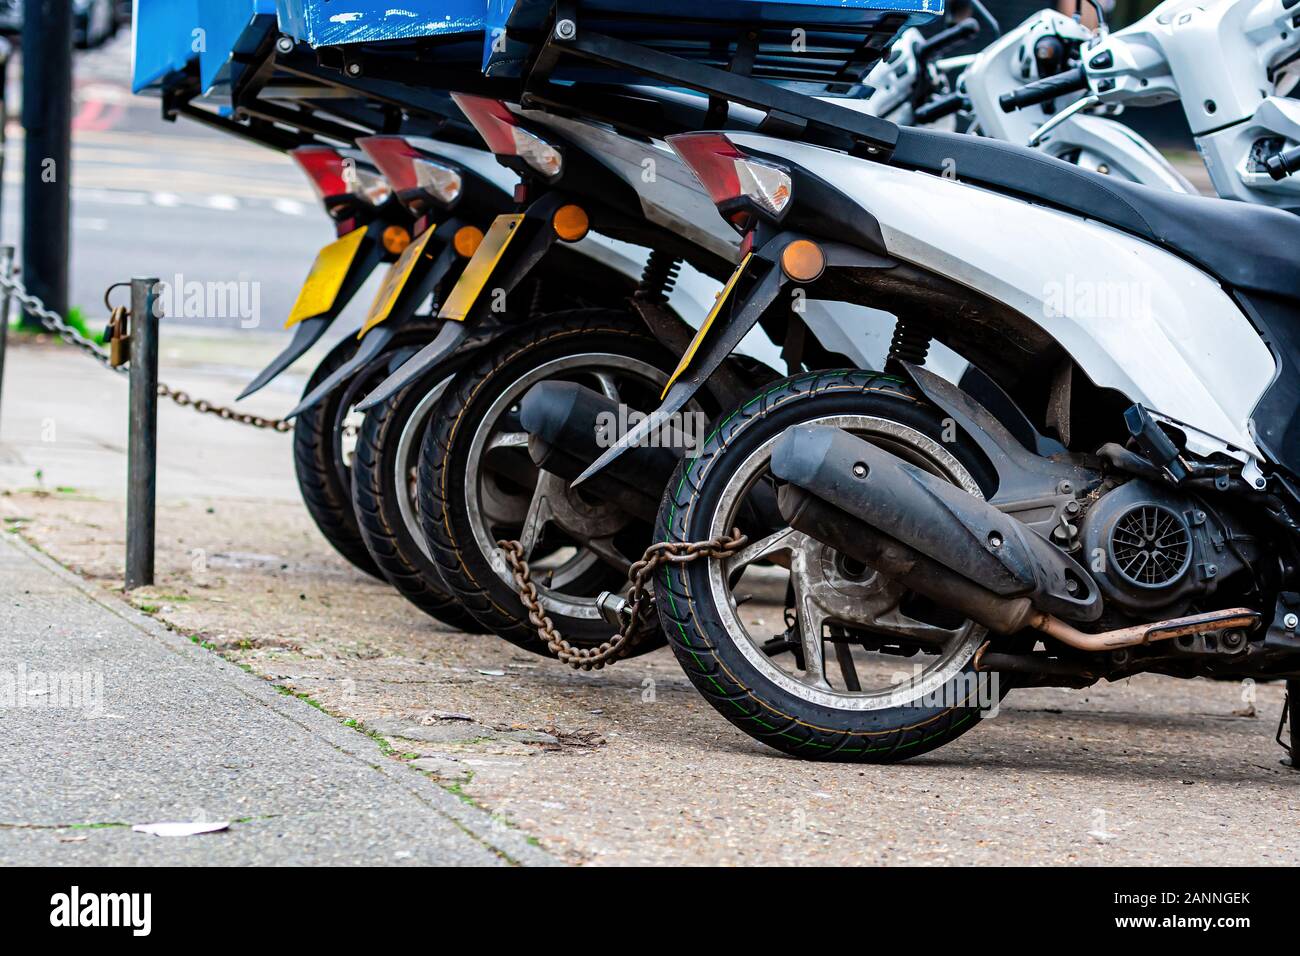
323,476
708,651
384,527
444,509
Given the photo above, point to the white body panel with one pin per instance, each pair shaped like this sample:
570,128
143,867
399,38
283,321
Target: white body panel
1187,353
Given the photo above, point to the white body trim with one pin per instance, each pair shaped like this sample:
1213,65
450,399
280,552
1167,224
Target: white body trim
1188,353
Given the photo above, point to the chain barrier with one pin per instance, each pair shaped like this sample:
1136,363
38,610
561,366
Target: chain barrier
635,628
114,358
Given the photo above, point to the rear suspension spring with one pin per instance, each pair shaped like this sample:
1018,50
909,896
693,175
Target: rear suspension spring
659,277
911,343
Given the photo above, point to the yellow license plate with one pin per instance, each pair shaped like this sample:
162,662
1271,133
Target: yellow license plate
399,273
318,293
481,266
714,312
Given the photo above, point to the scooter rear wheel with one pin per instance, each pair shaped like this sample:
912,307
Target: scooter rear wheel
775,679
323,467
478,483
384,470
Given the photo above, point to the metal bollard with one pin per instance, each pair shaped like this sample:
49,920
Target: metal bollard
142,439
6,270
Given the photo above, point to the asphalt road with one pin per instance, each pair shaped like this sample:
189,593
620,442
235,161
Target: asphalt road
168,199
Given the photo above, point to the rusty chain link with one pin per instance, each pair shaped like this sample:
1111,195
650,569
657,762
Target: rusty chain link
633,632
66,333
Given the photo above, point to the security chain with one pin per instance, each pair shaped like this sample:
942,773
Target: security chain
640,599
66,333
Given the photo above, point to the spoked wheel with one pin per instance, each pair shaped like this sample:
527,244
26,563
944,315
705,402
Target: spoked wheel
478,484
322,459
848,664
385,469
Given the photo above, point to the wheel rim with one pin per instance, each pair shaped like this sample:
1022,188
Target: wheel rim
833,593
490,505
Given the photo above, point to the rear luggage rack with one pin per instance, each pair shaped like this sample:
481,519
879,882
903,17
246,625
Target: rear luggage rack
759,66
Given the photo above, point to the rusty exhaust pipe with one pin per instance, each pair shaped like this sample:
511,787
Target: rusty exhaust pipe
1234,619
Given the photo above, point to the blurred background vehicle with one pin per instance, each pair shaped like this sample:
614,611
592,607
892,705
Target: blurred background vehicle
96,21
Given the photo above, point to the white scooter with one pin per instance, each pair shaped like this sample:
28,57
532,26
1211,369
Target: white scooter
1226,61
1124,493
1040,47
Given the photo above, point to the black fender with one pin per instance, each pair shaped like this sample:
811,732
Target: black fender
308,332
721,334
377,339
477,325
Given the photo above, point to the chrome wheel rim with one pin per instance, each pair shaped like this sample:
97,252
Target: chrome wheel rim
834,593
488,503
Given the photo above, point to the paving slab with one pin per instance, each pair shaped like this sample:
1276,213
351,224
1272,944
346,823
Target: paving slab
108,719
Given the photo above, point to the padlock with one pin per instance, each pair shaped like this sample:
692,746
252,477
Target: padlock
119,339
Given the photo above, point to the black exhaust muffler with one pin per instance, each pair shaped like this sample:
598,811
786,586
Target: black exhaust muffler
570,426
930,535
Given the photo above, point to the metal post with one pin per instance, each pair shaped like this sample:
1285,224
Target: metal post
6,270
6,53
47,154
142,439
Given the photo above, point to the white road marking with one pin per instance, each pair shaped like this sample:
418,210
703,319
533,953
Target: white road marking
288,207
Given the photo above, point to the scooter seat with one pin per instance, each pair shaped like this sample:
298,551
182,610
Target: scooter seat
1245,246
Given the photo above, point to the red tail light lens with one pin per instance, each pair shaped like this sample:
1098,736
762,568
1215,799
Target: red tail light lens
501,131
338,179
417,179
326,168
732,177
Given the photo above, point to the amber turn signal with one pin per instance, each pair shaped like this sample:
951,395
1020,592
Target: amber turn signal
396,239
467,240
571,223
803,261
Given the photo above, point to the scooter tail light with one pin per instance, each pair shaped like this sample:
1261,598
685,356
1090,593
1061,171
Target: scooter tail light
412,175
731,176
337,178
501,131
326,168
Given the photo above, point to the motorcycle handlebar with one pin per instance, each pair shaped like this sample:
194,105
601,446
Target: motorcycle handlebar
939,108
1040,91
1283,164
957,33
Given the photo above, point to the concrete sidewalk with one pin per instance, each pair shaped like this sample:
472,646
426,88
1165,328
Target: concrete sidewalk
152,728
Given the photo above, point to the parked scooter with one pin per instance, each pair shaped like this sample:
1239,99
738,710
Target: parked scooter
1044,47
531,376
1154,529
1227,63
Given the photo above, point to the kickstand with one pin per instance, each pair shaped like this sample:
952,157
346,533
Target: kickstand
1293,713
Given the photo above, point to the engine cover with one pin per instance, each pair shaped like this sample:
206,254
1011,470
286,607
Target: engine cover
1152,551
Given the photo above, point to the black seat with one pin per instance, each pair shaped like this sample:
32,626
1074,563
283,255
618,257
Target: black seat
1250,247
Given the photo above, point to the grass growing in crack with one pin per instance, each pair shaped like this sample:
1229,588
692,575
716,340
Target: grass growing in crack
387,749
96,826
303,696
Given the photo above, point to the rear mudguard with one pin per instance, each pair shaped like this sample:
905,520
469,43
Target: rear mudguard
308,332
376,339
470,320
722,332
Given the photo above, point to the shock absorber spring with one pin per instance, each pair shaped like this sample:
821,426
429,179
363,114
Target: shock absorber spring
911,343
659,277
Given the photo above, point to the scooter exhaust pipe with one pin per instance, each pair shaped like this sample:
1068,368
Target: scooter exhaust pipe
934,518
570,426
947,545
